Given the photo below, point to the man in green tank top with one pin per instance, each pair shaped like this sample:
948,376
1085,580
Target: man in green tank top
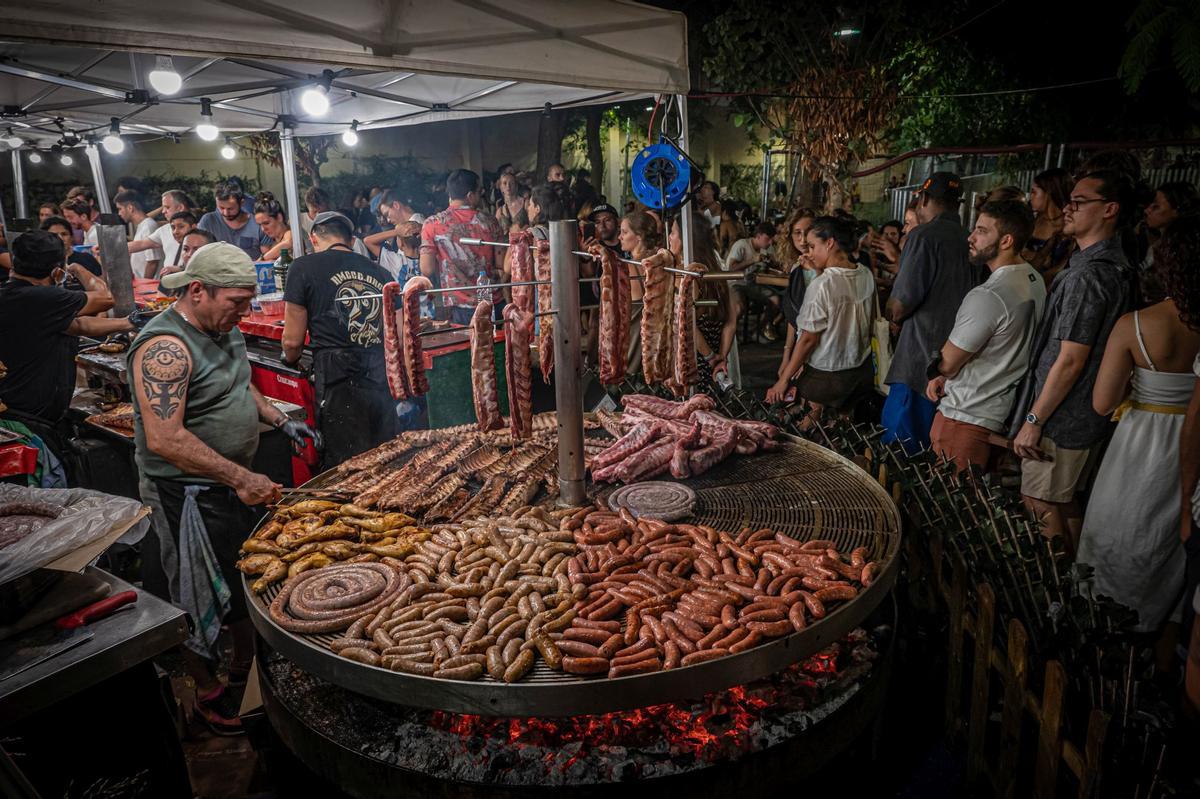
196,422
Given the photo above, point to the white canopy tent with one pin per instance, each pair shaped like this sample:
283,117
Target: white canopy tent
69,67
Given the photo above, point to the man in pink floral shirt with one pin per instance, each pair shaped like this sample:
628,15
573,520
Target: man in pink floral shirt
451,264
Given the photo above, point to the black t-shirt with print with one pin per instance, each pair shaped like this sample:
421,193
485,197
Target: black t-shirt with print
316,282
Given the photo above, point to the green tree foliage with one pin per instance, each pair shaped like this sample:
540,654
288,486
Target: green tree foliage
928,78
1163,30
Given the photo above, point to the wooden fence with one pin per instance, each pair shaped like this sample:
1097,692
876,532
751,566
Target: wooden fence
1004,763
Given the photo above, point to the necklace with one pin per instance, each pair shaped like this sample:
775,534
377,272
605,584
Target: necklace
214,336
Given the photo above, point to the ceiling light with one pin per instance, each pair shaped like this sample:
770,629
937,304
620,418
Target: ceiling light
206,129
314,101
35,157
350,137
12,140
113,143
227,151
163,78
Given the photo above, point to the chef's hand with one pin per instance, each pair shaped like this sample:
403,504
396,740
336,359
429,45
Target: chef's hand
936,389
258,489
298,432
1027,443
139,318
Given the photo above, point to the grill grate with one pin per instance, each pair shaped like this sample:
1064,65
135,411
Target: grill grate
801,489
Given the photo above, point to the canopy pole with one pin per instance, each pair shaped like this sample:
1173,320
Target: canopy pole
19,190
568,361
291,190
102,198
685,213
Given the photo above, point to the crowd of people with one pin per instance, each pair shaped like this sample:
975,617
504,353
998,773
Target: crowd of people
1010,348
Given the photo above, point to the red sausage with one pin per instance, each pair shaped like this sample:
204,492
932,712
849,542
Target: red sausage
703,655
837,592
815,606
574,665
671,655
610,647
796,616
587,635
753,639
640,667
577,649
770,629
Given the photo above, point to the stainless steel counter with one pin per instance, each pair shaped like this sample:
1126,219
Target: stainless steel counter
128,637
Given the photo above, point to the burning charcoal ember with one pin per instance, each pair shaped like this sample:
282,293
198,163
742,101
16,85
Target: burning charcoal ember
656,741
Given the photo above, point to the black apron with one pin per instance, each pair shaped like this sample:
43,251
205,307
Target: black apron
355,409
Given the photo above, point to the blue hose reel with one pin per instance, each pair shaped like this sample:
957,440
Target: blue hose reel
661,176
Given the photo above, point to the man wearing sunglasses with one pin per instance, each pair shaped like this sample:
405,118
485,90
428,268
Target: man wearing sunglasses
1060,434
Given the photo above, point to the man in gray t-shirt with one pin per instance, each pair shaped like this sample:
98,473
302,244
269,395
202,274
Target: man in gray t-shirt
232,224
935,274
987,353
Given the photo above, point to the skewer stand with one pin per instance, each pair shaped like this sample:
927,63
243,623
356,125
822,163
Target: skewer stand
568,361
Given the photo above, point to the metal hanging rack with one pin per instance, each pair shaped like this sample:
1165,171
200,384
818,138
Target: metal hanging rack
564,270
630,261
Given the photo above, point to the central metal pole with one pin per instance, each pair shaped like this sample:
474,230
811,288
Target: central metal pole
685,213
291,190
568,361
19,192
102,198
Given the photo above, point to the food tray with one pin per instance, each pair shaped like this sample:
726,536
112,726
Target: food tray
801,489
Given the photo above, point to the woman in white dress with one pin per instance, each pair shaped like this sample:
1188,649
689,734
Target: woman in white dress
1130,531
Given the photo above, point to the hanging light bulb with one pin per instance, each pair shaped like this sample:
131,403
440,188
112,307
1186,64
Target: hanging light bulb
206,129
163,78
35,157
314,101
65,159
13,140
113,143
350,137
227,151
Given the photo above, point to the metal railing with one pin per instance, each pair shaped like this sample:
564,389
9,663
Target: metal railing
975,186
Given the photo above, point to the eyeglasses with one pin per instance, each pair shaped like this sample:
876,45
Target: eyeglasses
1074,203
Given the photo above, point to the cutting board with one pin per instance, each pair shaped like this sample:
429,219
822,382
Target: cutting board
72,591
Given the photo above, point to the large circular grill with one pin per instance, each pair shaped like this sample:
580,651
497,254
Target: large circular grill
802,490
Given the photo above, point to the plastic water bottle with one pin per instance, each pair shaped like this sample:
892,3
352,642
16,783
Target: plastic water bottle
483,291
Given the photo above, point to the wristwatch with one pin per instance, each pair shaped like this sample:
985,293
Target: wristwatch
1032,418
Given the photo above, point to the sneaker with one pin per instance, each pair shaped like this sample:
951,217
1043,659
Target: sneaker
769,333
219,711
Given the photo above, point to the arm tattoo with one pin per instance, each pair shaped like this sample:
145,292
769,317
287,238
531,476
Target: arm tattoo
165,371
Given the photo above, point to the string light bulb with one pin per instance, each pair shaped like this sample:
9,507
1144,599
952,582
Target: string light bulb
163,78
315,99
206,129
227,152
113,143
350,137
35,157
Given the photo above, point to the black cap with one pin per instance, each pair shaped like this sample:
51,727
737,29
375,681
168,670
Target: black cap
942,186
602,208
